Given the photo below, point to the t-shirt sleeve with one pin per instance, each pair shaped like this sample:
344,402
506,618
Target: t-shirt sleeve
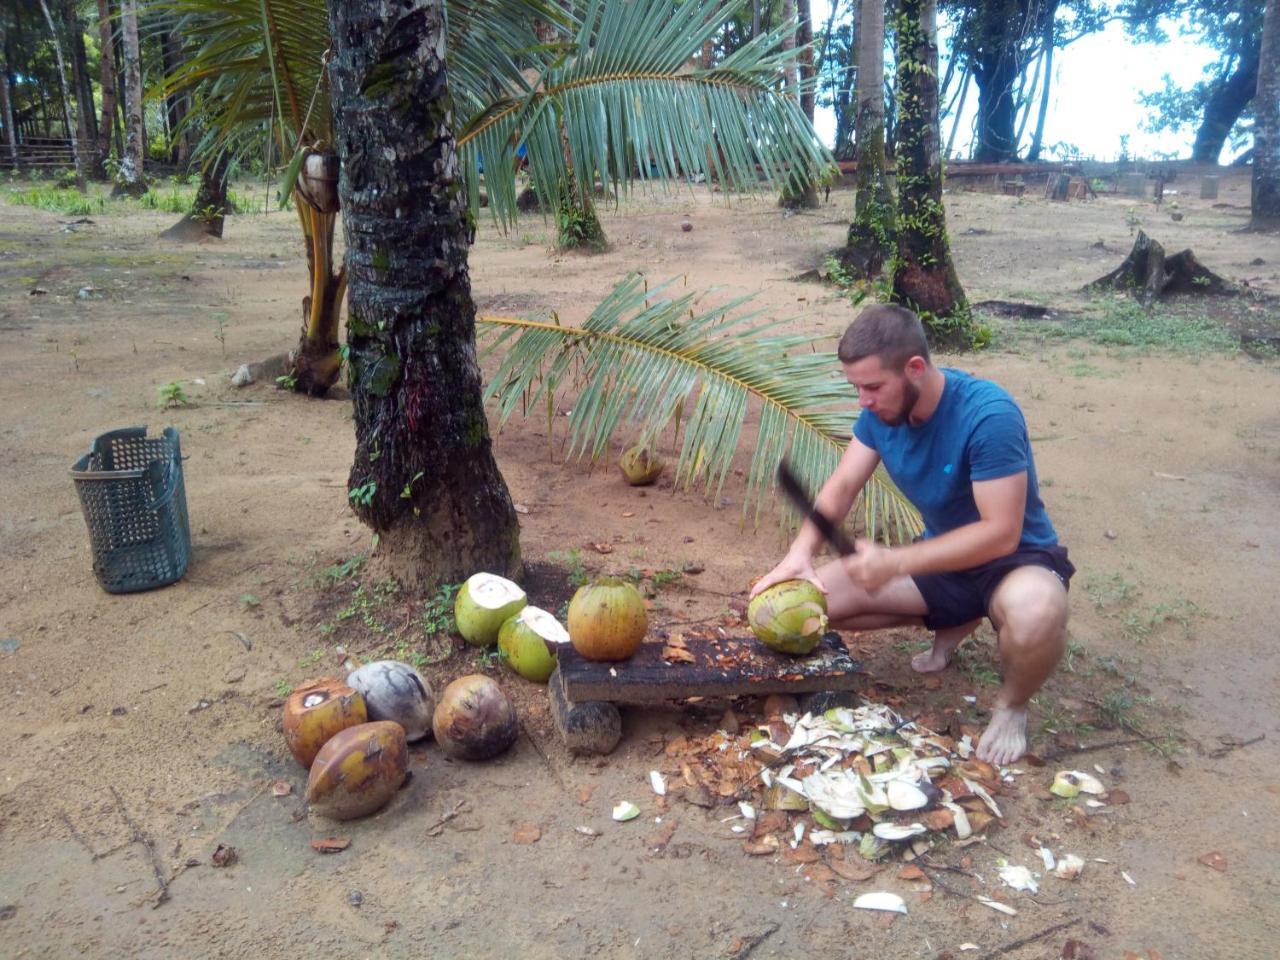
998,444
865,432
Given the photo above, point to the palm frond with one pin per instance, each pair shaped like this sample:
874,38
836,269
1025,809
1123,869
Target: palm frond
646,358
630,106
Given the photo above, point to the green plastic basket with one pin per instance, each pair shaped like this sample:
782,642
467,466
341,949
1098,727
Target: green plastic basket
135,505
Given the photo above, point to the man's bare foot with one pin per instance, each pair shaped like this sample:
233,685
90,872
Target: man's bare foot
1005,739
939,655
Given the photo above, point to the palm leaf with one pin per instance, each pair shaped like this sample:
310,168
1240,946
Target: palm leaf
625,97
644,357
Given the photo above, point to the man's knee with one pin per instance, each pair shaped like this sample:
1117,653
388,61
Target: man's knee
1031,611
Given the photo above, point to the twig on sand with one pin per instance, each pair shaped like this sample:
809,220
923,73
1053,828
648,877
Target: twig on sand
748,944
1106,744
435,828
162,885
1023,941
1230,743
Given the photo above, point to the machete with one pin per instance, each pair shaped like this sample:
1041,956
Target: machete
800,500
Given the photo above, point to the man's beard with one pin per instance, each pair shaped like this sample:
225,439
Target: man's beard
910,397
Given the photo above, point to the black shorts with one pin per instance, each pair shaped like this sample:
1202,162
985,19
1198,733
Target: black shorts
956,598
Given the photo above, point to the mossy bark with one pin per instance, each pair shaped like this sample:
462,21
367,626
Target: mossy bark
424,476
924,276
871,234
1265,201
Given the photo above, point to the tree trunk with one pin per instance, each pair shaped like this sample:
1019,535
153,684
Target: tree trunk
1224,106
66,95
209,209
424,476
1148,273
788,47
871,234
924,277
804,39
1266,131
317,361
87,120
1038,137
6,103
175,103
131,179
960,98
108,65
996,69
846,107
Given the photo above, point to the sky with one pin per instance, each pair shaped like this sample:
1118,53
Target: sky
1094,97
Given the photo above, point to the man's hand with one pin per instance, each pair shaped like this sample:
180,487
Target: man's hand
792,567
873,565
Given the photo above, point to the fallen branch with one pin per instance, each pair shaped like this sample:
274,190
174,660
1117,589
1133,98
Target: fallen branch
1046,932
748,944
1230,743
435,828
162,885
1106,744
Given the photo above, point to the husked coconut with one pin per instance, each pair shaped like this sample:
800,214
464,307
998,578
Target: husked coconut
316,711
358,771
485,602
395,691
474,719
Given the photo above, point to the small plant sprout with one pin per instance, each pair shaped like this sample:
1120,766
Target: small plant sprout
363,494
172,395
220,331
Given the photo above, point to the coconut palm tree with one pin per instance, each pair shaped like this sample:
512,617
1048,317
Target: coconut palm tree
612,97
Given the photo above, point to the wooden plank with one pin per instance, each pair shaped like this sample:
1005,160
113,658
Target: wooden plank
723,666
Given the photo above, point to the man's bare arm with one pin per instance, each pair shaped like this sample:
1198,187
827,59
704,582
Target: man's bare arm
996,533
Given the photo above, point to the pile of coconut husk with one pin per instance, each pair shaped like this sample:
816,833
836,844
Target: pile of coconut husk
1148,273
860,777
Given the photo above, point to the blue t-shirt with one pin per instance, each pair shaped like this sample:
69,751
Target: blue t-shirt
976,433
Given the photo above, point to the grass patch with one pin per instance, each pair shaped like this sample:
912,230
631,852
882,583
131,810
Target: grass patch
1120,322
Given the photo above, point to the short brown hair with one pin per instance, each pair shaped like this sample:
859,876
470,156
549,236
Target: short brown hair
885,330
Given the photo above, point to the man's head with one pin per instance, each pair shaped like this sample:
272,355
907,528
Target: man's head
885,355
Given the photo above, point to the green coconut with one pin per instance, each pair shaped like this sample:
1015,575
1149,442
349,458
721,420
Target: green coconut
528,641
641,466
484,604
789,617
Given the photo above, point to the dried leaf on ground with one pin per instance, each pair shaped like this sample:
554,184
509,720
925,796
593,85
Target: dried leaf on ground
526,833
1213,859
854,869
224,856
331,844
281,789
585,791
1075,949
659,839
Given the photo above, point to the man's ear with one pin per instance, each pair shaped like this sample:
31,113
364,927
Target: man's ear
915,367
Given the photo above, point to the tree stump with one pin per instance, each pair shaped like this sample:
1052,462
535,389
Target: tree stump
1057,187
1149,273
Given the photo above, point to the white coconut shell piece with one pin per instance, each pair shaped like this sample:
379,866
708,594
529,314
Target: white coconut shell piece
658,782
624,811
898,831
1046,855
834,795
880,900
1069,867
797,833
1019,878
964,830
998,906
747,809
980,790
904,795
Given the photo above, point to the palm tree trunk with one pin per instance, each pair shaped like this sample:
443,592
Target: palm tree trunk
66,95
108,64
1265,202
424,475
800,192
870,237
209,209
80,76
131,179
804,39
924,278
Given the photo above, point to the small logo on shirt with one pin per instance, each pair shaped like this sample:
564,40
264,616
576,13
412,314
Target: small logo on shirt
947,469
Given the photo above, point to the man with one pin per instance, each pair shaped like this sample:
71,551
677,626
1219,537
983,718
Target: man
957,447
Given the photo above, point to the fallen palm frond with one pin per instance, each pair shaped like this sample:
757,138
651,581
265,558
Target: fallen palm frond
646,358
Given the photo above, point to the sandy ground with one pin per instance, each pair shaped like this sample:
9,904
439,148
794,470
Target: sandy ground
143,730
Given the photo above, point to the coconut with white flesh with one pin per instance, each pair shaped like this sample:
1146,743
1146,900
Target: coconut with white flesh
395,691
528,642
905,795
789,617
889,902
1069,784
484,603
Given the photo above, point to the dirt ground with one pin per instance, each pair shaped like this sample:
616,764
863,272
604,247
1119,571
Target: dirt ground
143,730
